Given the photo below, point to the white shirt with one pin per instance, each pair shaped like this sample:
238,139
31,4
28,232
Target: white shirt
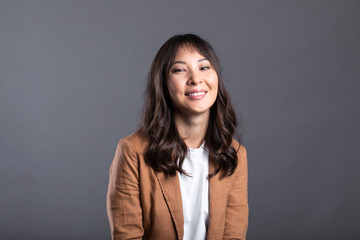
195,193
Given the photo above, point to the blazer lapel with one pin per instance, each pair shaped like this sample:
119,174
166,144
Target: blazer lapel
170,187
218,191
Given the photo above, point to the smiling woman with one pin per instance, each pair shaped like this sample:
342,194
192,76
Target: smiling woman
181,175
192,83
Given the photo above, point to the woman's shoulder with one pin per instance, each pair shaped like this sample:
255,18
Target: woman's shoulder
239,148
136,142
242,156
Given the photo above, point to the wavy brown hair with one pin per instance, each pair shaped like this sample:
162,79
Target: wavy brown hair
166,150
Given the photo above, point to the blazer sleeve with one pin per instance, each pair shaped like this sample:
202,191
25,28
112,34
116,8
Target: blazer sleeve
123,198
237,211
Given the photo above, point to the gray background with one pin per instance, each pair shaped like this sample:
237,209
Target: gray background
72,82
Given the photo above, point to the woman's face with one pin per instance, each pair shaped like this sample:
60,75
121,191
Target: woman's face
192,83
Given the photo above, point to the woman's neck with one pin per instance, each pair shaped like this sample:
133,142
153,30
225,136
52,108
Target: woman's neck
192,129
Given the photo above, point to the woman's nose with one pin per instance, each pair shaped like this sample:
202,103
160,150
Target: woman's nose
194,78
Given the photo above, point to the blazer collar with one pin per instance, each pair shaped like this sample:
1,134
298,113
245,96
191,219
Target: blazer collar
170,187
218,190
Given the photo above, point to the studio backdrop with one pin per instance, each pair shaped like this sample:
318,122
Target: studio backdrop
72,82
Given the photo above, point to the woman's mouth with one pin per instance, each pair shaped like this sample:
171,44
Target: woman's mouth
196,94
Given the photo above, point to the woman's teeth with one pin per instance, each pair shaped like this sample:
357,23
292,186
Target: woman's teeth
195,94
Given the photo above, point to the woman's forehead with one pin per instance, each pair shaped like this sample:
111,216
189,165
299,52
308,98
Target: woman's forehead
188,46
187,49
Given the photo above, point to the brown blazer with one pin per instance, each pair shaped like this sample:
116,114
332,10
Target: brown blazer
142,204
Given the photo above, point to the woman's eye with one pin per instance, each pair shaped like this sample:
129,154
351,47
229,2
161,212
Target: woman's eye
205,68
178,70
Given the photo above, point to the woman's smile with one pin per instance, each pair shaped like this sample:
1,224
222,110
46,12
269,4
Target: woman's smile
196,94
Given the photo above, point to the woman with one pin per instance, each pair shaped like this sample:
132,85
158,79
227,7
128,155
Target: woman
181,175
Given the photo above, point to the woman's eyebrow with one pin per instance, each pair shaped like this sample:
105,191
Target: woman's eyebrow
183,62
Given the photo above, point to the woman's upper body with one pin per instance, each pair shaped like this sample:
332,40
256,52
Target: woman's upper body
144,204
187,106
